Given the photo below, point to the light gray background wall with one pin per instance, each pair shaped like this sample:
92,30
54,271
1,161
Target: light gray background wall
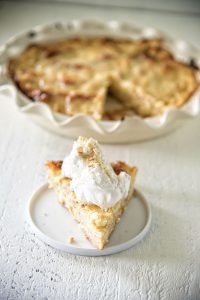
181,6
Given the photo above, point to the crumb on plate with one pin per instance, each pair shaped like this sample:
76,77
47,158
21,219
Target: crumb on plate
71,240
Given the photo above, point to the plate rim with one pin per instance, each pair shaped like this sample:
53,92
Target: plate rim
85,251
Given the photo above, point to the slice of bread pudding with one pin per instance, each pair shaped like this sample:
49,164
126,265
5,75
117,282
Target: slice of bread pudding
97,218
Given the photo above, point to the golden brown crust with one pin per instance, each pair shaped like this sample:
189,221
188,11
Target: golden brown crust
120,166
74,76
54,165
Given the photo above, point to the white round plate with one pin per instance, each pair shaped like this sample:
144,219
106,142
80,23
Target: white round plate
132,129
54,225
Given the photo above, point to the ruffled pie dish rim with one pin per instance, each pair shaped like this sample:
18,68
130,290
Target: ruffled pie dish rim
121,131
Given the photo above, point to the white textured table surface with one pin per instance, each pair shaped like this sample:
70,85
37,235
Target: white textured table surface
166,265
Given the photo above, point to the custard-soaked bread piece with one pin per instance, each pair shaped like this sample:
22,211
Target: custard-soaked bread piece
154,83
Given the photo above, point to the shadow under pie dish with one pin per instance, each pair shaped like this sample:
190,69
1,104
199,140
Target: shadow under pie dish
97,77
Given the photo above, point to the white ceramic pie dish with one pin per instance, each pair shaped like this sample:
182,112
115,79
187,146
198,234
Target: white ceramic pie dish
132,129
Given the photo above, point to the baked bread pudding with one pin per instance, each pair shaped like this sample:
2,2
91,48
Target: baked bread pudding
77,75
95,192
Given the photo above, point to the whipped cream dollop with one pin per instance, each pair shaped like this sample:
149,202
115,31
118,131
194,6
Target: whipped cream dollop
92,178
